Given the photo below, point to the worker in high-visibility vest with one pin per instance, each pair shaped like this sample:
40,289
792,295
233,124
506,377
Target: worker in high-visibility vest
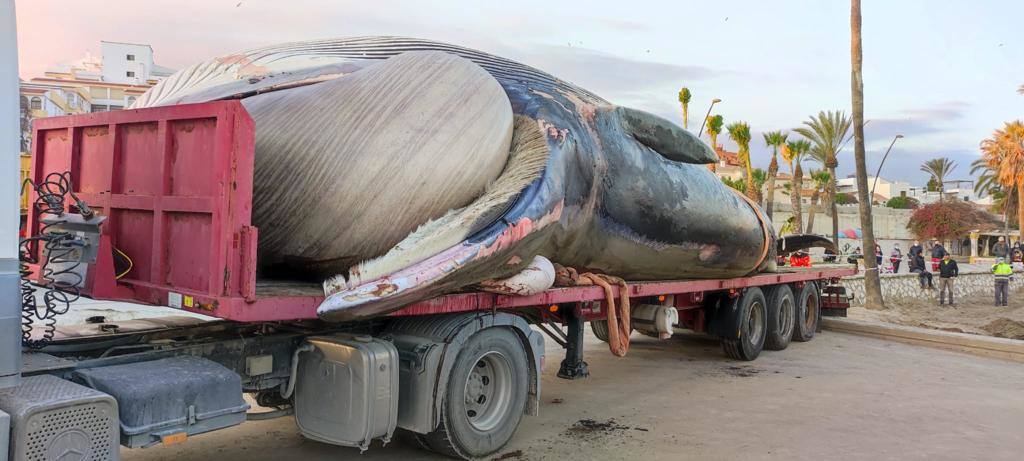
1002,271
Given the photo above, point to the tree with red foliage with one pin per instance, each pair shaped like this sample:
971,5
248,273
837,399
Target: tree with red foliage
949,219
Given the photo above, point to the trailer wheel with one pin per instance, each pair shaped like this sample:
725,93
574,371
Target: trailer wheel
486,396
600,329
808,304
746,343
781,311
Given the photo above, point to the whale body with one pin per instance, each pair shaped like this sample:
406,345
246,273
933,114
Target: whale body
576,179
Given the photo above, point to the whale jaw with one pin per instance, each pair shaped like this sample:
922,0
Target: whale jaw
440,248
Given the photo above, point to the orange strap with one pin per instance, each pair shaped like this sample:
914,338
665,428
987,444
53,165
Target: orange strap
764,229
619,327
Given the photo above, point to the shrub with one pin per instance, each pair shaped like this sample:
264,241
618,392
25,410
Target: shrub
846,199
949,219
903,203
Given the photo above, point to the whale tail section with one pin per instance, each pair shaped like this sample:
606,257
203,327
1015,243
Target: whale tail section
791,243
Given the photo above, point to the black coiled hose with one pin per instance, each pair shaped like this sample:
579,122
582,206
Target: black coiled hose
60,268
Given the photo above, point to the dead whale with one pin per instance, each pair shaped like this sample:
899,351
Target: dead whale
553,171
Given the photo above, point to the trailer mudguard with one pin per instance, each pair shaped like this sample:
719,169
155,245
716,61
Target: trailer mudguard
427,348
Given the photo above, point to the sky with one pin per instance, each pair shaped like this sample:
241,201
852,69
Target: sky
943,73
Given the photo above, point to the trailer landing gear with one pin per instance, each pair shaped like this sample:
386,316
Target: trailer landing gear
573,366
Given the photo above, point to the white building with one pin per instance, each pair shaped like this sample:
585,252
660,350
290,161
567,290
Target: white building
115,79
884,189
129,63
958,189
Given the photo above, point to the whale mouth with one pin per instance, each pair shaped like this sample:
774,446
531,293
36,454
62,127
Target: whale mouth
436,244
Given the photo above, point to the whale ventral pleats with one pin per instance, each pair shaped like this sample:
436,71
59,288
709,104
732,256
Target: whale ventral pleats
422,132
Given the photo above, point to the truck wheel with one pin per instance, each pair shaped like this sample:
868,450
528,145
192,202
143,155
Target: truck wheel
781,311
600,329
746,343
807,306
486,396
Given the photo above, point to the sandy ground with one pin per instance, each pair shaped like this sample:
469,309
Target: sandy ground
837,397
975,314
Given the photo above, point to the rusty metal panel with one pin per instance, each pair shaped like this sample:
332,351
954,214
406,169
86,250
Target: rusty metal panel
176,183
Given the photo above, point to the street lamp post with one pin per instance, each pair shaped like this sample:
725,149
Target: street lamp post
705,121
875,183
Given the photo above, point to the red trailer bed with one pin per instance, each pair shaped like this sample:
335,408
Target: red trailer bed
176,185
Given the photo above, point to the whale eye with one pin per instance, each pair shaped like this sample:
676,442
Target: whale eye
664,137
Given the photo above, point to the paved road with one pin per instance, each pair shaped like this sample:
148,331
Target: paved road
837,397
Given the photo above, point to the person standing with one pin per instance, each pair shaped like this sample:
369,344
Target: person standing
878,255
948,271
937,252
896,257
1000,249
915,250
1002,272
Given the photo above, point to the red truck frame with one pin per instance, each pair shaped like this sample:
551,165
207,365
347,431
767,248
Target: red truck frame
185,223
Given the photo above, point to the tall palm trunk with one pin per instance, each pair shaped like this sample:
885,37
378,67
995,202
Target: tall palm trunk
794,197
773,169
814,207
751,188
872,283
1020,205
714,146
830,195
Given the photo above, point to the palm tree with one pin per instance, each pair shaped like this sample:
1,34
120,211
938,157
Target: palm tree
872,283
1004,153
821,180
739,132
939,169
760,177
827,133
986,183
684,99
714,123
796,150
773,139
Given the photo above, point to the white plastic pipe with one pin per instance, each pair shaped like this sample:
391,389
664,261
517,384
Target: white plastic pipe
10,133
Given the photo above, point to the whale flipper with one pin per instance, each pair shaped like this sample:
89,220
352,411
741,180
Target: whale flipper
664,137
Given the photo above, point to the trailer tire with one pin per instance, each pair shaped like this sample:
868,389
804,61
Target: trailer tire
781,314
747,341
808,306
486,396
600,329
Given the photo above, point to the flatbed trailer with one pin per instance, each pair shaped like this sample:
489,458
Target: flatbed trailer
173,186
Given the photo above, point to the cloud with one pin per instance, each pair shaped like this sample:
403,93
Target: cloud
606,74
624,25
922,128
917,121
905,164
